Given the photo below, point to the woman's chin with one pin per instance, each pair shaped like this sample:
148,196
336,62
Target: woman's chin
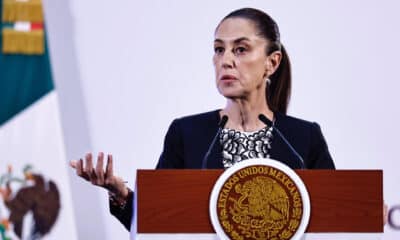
230,92
232,95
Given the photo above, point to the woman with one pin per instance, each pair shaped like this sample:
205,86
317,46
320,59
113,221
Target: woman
252,72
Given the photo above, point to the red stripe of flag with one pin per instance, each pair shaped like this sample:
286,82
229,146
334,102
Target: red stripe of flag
36,26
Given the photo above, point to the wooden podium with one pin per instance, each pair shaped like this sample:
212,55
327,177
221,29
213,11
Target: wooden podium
176,203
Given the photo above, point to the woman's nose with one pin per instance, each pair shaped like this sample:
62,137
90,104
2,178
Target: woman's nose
228,60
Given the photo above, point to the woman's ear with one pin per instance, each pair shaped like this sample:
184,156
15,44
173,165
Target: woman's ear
272,62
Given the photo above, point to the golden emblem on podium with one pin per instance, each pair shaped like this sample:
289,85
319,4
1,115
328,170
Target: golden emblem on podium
259,199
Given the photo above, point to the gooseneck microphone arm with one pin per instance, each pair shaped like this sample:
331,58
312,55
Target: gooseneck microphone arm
268,122
221,126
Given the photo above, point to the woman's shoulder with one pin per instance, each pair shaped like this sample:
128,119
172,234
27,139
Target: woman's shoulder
204,118
293,122
296,126
307,138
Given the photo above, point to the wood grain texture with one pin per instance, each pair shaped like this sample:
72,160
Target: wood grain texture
176,201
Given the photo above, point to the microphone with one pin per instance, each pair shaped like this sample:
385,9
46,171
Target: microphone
221,125
268,122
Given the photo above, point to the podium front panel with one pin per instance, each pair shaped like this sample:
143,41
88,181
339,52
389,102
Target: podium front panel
177,201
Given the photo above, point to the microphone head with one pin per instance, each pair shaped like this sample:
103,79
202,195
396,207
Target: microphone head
264,119
223,121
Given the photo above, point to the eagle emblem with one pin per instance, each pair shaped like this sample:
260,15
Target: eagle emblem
36,198
261,207
259,199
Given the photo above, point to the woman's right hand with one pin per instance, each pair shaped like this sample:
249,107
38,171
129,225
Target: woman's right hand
100,177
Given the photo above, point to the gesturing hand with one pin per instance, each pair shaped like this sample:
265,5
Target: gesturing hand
98,176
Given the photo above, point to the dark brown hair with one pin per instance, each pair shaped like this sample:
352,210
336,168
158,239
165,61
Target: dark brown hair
278,91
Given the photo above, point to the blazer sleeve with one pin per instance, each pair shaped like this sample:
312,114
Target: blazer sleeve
124,215
320,158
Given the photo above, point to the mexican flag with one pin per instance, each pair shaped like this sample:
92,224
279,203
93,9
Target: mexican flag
35,199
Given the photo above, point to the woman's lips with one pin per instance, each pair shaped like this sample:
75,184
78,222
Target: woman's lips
228,78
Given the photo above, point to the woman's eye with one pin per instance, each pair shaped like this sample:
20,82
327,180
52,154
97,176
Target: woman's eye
240,50
218,49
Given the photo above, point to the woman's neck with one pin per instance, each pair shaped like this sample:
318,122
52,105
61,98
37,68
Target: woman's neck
243,114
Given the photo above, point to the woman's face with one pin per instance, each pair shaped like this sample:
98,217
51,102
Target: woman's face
240,60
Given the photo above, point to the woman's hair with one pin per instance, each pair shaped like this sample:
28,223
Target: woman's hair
278,91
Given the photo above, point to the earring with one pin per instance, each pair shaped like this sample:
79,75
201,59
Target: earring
268,80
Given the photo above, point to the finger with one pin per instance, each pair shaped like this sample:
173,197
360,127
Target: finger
89,168
80,172
385,214
99,169
73,163
109,169
92,174
79,167
89,163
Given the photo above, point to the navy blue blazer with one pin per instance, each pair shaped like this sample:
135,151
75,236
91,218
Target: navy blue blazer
189,138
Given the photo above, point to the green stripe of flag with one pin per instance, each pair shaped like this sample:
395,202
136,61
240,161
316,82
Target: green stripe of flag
7,24
23,80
